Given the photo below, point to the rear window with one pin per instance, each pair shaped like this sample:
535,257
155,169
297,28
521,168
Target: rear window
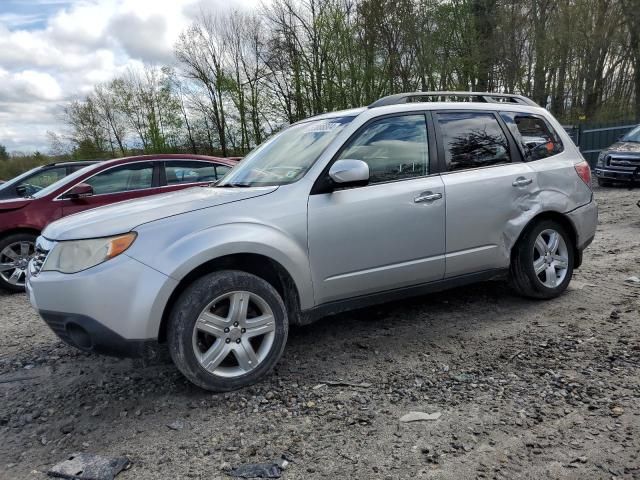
536,138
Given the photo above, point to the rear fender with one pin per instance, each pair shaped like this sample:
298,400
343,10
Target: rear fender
540,203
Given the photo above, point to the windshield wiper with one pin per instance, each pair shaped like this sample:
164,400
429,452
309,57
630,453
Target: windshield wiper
235,185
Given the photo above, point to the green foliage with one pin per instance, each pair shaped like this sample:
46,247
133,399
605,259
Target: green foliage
242,76
4,155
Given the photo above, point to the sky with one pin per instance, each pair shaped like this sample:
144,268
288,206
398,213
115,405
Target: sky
55,51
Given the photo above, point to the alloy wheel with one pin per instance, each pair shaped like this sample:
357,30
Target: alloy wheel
14,261
234,334
550,258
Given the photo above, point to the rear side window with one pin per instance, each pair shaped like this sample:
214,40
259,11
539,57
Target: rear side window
472,140
180,171
535,136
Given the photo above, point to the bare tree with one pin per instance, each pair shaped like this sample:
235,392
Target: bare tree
200,50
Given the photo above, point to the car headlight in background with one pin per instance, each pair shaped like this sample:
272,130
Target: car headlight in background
600,162
76,255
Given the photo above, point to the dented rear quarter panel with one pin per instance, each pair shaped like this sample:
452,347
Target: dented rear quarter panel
486,215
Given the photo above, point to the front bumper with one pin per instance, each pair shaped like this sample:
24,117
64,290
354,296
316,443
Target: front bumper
617,175
113,308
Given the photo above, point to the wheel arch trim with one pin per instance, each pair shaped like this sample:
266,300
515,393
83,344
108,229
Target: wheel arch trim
259,249
562,218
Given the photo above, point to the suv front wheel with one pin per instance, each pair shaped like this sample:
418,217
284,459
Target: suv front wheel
542,261
227,330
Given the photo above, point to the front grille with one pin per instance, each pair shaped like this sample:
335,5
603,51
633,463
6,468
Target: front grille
57,325
38,261
43,247
625,162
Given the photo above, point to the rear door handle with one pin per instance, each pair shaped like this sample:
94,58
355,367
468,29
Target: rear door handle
522,182
427,197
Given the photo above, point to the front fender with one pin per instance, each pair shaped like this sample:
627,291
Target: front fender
186,253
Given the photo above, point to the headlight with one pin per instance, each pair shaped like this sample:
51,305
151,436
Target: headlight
600,161
76,255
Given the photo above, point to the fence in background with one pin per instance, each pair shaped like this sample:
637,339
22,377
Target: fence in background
591,138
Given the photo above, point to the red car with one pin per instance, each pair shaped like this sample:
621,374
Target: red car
21,220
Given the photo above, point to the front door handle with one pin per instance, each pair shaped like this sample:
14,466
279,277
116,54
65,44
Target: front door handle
522,182
427,197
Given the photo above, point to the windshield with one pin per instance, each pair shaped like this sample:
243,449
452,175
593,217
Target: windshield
632,136
287,156
15,180
68,179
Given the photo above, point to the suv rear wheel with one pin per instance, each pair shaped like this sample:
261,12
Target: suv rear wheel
542,261
227,330
15,252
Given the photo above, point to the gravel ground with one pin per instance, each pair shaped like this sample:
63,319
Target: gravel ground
526,389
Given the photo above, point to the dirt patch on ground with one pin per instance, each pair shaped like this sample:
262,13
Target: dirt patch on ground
525,389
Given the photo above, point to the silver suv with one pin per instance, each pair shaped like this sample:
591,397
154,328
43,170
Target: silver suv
411,195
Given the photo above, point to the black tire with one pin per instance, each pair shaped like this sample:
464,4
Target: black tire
523,278
604,183
6,241
191,304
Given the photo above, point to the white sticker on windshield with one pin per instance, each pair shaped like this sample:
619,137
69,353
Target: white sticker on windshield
321,127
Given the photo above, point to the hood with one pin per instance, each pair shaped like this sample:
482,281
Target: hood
125,216
624,147
13,204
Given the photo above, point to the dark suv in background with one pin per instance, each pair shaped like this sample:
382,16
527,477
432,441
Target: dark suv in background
621,161
36,179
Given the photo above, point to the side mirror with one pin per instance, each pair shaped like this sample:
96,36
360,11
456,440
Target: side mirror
81,190
349,173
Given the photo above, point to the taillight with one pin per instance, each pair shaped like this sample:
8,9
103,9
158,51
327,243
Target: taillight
584,172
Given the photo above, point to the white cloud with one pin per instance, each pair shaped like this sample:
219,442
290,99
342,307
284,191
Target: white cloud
28,86
144,38
16,20
52,55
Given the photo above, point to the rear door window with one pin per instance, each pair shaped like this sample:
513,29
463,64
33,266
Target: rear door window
472,140
535,137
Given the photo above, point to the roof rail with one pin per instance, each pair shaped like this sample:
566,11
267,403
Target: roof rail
483,97
72,162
